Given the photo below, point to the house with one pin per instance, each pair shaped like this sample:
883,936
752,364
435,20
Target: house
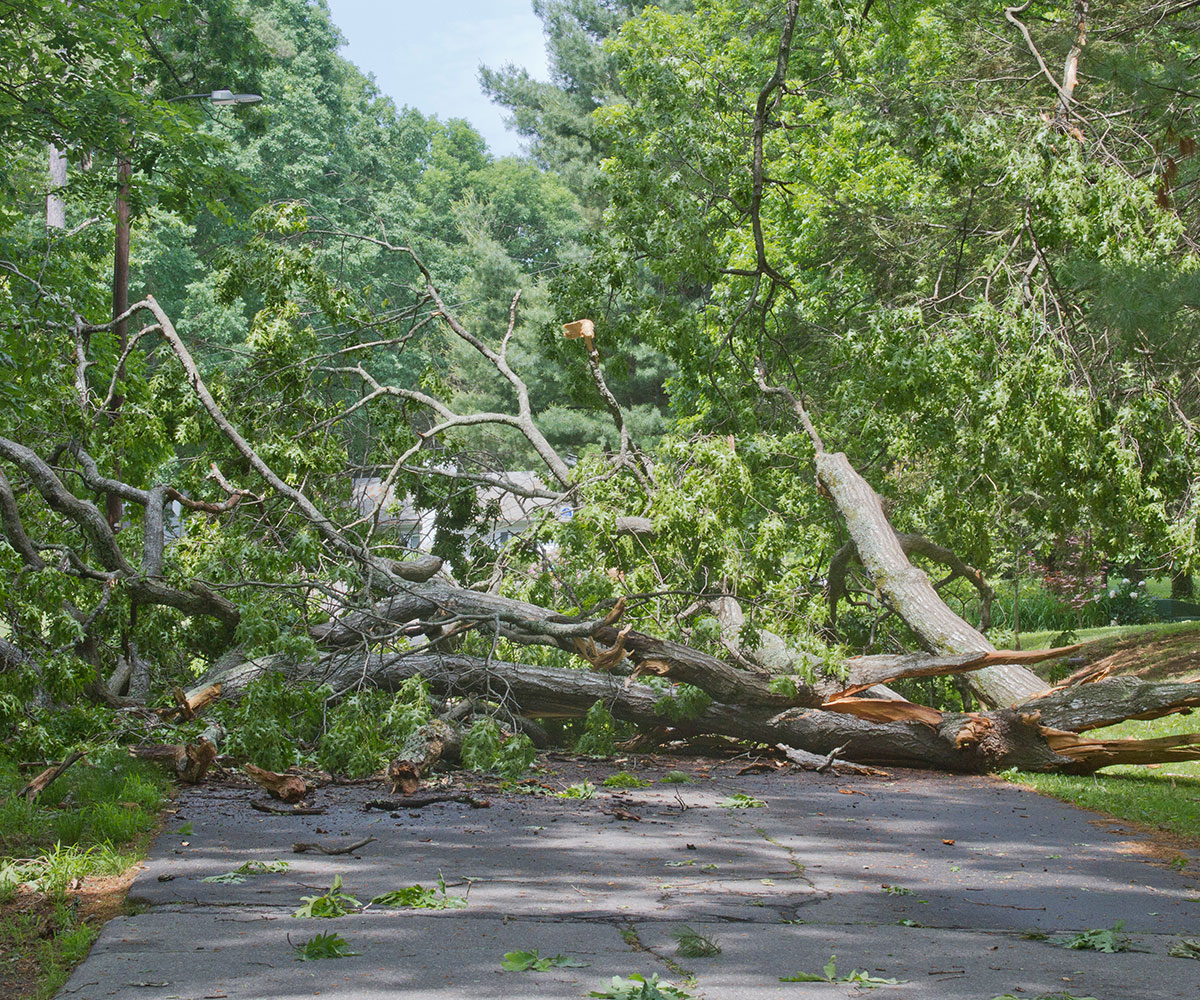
514,513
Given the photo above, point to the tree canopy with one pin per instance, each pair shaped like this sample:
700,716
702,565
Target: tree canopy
946,249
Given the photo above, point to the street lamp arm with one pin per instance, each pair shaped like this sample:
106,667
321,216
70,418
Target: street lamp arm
218,97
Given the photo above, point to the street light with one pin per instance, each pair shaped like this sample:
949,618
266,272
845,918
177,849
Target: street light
114,508
219,97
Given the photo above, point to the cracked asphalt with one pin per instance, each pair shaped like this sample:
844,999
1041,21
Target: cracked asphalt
973,867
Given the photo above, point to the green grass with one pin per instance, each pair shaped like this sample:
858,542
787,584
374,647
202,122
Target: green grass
95,820
115,800
57,940
1042,640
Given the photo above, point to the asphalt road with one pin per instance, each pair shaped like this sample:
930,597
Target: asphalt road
974,867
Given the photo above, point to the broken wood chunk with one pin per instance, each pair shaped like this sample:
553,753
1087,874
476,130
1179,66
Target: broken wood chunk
624,815
190,761
884,710
435,741
286,787
1090,754
186,706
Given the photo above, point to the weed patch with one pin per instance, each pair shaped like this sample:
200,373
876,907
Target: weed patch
623,779
692,944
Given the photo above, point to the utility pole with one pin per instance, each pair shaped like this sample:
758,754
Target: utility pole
114,507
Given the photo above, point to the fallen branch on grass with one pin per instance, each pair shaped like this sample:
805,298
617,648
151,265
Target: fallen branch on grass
35,786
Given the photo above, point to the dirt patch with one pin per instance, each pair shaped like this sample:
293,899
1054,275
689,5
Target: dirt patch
101,898
1160,847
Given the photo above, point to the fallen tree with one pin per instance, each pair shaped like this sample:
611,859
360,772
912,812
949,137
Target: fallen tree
913,736
405,617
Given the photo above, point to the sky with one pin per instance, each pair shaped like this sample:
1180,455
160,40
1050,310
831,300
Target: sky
427,53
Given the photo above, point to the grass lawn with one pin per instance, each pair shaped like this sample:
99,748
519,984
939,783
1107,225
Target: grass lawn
1042,640
65,863
1167,795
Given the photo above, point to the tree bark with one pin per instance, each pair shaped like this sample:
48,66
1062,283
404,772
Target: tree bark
912,544
433,742
908,591
962,742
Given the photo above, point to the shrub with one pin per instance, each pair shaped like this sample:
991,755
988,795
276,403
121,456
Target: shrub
599,732
486,749
272,719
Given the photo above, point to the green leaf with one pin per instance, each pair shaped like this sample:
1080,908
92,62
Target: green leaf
637,987
1185,948
804,977
526,961
740,800
583,790
860,977
417,897
229,878
334,903
323,946
1109,941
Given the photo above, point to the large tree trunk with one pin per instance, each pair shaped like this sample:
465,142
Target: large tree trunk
908,591
974,742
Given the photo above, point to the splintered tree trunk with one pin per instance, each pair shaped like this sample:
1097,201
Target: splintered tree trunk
909,592
286,787
433,742
189,761
924,738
